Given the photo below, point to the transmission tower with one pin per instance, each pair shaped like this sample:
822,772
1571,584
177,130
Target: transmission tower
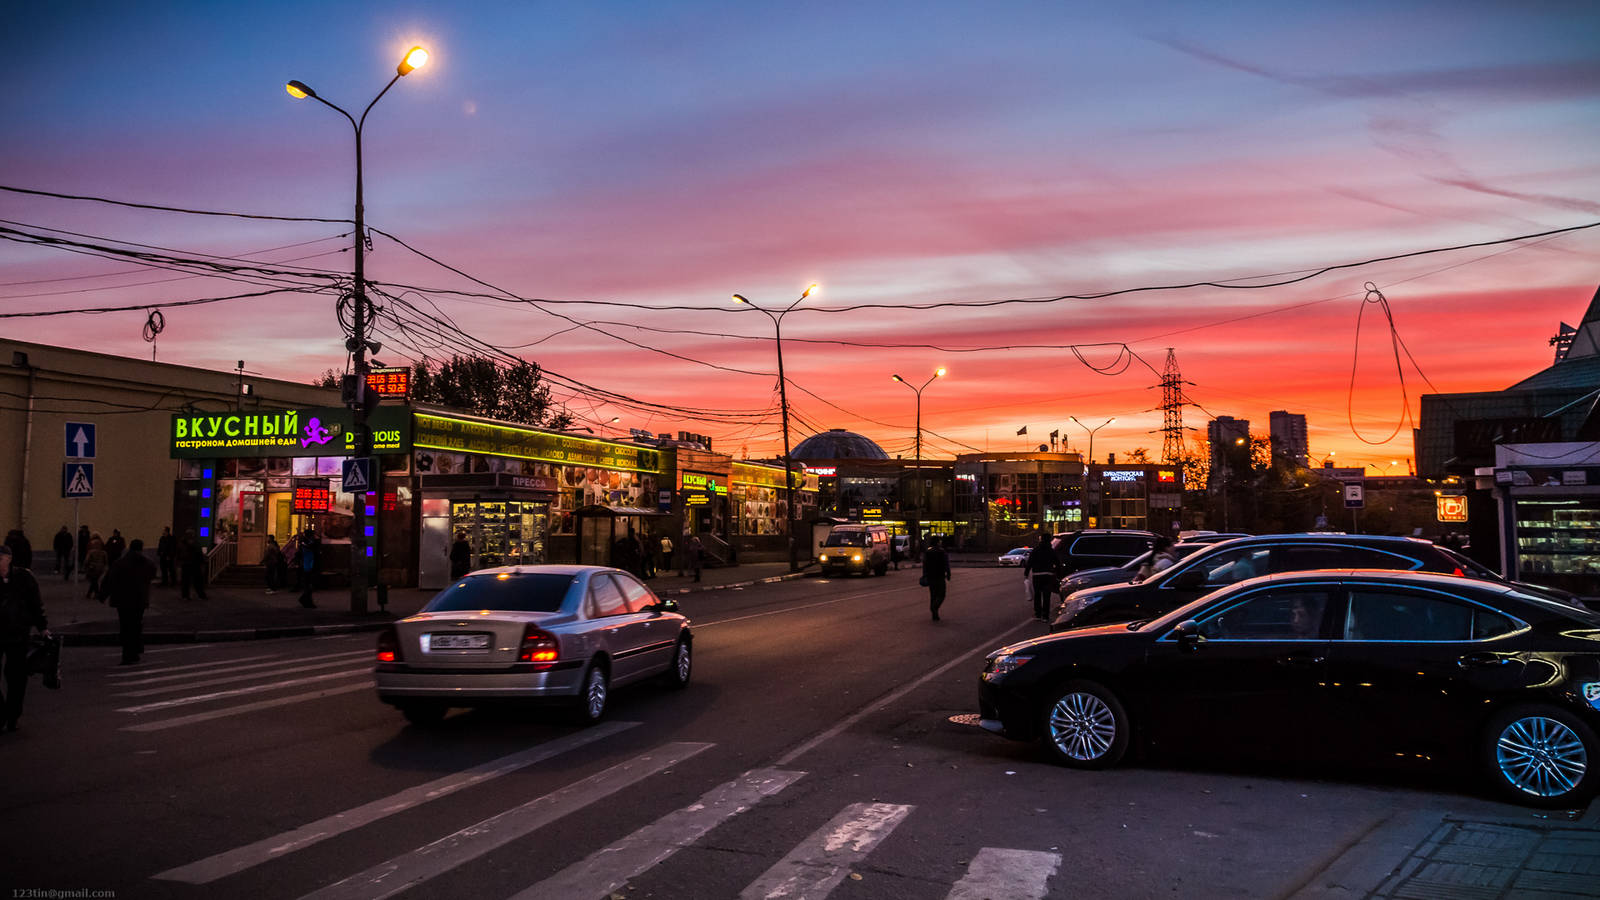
1172,409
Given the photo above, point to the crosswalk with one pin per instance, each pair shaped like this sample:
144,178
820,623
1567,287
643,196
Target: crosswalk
837,843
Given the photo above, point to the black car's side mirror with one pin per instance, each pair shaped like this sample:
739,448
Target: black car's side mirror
663,606
1188,633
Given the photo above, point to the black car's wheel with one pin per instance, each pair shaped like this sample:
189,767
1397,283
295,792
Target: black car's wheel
1542,756
424,715
595,695
682,665
1085,726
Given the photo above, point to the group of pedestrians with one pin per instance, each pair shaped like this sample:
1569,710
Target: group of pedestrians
302,556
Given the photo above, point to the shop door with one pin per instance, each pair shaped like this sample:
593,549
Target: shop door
252,527
282,523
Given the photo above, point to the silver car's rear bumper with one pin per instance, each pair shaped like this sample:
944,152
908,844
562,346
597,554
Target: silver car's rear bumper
467,686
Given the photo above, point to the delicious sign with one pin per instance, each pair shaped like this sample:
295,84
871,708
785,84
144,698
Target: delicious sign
313,431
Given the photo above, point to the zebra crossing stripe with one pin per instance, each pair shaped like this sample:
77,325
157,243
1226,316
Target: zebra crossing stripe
405,872
225,712
253,689
237,860
606,870
1013,874
146,669
232,679
231,666
817,864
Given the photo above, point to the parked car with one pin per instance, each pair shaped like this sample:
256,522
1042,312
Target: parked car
1209,537
555,633
1240,558
1126,573
1015,557
1094,548
1475,569
855,549
1347,666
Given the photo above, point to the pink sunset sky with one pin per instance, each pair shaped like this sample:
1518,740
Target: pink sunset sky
899,155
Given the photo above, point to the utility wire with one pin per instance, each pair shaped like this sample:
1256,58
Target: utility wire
176,209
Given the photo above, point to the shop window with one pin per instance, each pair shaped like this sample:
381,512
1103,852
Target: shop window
304,466
329,465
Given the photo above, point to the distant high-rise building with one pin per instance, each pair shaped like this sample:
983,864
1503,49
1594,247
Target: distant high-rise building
1222,432
1289,438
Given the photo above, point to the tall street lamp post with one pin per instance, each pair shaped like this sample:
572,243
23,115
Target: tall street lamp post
783,401
938,373
1092,431
360,549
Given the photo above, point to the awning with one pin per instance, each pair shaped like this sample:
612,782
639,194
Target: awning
618,512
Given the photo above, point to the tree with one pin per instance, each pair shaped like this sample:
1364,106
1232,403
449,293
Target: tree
328,379
1139,455
514,394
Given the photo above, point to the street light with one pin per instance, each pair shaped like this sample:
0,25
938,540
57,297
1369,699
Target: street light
783,401
360,550
937,374
1091,433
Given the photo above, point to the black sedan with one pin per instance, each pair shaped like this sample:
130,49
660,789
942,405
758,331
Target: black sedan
1350,666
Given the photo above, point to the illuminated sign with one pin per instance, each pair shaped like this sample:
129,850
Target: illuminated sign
1122,474
311,495
390,382
700,481
1166,476
696,499
872,512
1452,507
466,436
313,431
823,471
966,476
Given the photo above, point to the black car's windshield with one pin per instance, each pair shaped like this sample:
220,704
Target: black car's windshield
532,592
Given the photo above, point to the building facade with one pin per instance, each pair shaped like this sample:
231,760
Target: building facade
1289,444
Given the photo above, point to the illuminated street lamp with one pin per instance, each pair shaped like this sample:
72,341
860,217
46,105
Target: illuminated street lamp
937,374
1091,433
360,546
783,401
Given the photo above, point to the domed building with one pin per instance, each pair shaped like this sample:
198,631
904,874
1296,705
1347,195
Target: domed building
836,443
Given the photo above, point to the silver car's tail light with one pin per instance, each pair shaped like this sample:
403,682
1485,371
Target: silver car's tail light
388,646
538,646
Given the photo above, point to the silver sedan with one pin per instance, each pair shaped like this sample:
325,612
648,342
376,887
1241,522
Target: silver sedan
564,633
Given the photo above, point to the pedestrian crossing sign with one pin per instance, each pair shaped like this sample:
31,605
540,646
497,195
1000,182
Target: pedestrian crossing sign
77,480
357,474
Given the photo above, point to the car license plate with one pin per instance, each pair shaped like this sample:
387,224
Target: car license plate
459,641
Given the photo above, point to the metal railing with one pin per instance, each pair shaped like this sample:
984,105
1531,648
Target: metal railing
219,558
715,548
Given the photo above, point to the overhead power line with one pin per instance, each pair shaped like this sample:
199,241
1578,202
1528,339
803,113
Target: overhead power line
176,209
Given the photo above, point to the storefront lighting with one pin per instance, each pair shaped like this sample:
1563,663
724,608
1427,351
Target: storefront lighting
205,493
207,473
205,512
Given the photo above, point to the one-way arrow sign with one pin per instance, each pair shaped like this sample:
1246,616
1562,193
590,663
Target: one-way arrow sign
80,440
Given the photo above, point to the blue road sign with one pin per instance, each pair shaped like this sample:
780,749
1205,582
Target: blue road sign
77,480
1354,495
80,440
357,474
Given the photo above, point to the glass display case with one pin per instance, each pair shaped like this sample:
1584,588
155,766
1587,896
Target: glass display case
502,532
1558,542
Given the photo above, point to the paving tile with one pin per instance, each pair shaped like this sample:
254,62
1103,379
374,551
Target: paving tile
1496,857
1581,863
1465,876
1567,884
1495,837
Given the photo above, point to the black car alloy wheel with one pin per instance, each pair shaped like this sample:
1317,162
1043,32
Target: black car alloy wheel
1542,756
1085,726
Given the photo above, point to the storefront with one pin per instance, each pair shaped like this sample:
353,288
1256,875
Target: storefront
1548,499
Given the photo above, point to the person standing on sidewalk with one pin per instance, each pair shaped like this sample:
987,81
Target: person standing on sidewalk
192,565
310,550
272,561
1042,565
21,548
666,553
115,546
83,545
62,545
20,610
696,553
127,589
94,565
935,574
167,556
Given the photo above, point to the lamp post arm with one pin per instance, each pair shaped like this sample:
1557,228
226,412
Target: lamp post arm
373,103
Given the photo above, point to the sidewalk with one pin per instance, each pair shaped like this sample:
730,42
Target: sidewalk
234,613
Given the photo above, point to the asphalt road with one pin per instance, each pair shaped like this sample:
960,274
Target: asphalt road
818,752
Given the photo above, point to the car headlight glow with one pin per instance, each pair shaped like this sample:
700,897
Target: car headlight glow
1004,665
822,558
857,557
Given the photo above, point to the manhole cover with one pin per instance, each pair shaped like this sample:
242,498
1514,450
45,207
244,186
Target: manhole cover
965,719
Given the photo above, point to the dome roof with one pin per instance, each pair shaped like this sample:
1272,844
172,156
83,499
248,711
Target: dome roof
838,444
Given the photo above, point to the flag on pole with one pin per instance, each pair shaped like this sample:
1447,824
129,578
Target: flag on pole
1022,430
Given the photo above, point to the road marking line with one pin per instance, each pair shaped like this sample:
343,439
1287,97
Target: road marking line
892,696
995,872
230,679
249,707
238,859
606,870
127,673
402,873
817,864
266,665
253,689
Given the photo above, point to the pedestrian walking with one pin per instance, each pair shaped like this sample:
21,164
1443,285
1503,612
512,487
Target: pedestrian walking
666,553
696,552
647,558
192,566
460,556
935,574
1042,568
272,560
127,588
894,552
1162,558
83,545
632,554
21,549
291,555
167,556
62,545
115,547
21,609
310,549
95,564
